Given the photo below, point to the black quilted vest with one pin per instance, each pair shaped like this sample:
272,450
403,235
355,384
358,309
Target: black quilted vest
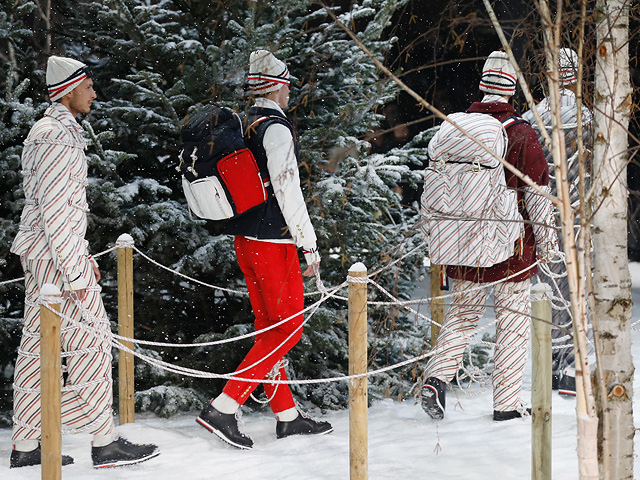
267,221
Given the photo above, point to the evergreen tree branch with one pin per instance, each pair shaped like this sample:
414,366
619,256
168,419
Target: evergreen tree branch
525,178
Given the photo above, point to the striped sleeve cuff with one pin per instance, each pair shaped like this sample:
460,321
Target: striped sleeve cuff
311,255
542,215
77,284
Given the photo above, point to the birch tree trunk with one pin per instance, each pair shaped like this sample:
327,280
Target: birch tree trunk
611,282
575,252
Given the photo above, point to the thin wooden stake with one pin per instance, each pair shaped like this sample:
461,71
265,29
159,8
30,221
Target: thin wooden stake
126,388
541,379
358,399
437,304
50,375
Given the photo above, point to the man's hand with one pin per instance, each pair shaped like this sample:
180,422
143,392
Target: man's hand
80,294
311,270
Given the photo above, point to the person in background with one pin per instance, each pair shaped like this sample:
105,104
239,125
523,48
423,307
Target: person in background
53,250
266,241
511,293
563,358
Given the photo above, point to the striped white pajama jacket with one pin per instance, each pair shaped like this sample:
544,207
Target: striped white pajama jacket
53,249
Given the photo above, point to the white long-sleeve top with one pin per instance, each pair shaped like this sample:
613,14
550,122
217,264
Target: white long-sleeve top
54,219
285,178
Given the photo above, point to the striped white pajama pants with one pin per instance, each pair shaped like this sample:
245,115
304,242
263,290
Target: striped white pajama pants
512,308
85,407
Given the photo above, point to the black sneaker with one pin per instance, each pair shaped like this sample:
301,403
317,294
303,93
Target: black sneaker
567,384
499,416
303,425
225,426
434,397
27,459
120,452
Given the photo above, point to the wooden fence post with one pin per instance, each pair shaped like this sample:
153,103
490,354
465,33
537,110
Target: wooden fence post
437,304
126,388
541,382
50,393
358,398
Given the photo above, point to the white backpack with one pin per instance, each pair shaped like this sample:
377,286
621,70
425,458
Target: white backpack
470,216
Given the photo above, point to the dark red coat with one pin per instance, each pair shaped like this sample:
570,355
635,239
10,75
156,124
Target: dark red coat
525,153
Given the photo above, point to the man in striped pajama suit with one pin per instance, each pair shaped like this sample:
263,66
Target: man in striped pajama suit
52,249
511,292
563,362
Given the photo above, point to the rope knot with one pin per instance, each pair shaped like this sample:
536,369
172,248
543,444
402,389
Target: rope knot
351,279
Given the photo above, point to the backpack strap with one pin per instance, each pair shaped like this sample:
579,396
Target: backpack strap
485,167
253,127
262,122
513,120
255,123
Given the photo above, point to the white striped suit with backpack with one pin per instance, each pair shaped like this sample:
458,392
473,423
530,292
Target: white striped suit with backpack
472,220
470,216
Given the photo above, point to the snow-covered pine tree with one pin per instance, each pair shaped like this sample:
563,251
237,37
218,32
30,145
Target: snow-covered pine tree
151,62
150,72
18,111
355,210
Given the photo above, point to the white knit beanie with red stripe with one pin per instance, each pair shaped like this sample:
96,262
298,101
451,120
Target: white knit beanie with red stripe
568,66
63,75
498,75
266,73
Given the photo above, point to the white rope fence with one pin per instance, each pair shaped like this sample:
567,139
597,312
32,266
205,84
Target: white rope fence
117,342
474,373
15,280
322,290
233,375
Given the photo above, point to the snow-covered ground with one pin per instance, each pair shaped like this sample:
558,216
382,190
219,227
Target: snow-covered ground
403,443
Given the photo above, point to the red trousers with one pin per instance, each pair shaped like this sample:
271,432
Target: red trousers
274,282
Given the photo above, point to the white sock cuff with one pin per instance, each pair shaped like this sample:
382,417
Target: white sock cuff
102,440
288,415
225,404
25,445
